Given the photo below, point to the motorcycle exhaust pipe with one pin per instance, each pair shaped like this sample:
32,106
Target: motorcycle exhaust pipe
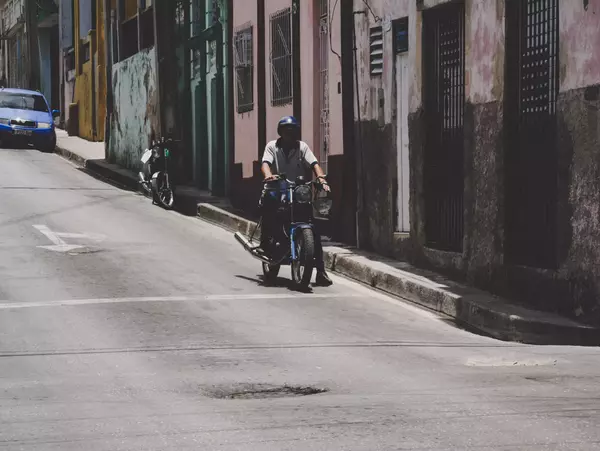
249,247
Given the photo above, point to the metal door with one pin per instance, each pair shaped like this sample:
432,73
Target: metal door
531,153
444,92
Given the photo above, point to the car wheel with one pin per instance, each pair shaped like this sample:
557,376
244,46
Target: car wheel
49,146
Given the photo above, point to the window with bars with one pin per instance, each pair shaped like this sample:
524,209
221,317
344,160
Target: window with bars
244,69
281,58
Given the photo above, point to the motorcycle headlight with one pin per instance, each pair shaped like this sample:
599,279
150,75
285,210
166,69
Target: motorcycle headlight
44,125
302,194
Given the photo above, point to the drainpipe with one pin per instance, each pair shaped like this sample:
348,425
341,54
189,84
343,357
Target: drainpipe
296,72
108,39
360,198
157,49
93,39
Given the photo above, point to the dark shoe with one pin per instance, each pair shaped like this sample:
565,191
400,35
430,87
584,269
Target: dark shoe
323,279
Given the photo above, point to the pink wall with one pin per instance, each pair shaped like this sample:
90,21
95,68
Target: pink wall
246,124
308,73
336,142
310,78
273,113
484,51
579,40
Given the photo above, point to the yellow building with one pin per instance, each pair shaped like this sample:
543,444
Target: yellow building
88,110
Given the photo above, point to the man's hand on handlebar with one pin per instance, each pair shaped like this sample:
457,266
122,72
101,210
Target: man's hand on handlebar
323,184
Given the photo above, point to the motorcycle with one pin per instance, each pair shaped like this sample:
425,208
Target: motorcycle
154,178
292,238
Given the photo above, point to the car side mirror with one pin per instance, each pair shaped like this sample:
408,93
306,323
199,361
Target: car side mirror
55,113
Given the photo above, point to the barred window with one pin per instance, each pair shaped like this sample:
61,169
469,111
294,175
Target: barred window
244,69
281,57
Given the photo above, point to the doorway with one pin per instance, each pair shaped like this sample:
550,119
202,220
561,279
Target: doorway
402,96
532,55
444,99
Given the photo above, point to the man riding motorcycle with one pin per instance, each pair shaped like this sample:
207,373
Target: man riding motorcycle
292,157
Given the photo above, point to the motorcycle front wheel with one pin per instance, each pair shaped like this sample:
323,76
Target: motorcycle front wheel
303,265
162,191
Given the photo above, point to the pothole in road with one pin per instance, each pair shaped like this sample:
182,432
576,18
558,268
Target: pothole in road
265,391
85,250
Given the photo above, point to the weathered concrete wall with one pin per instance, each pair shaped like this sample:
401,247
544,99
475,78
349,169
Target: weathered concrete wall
573,288
579,139
135,110
376,119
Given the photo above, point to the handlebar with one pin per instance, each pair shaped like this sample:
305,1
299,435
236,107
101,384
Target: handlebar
278,177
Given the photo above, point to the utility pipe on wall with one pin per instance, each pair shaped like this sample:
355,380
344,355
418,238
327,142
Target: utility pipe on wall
108,39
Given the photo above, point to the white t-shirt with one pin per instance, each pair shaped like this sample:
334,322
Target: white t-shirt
293,164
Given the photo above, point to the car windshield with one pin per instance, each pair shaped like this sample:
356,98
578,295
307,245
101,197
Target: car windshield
20,101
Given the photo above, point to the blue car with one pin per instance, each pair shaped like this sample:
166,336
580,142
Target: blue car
26,118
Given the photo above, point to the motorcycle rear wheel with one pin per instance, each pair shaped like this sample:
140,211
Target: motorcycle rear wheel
303,265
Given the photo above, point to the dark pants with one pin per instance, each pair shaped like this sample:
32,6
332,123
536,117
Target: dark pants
269,222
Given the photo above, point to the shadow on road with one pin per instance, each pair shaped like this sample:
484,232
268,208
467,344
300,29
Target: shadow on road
280,282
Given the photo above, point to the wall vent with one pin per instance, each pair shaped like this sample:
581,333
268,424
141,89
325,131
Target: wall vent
376,50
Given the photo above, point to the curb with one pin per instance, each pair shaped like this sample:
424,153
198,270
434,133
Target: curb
101,168
472,308
184,203
67,154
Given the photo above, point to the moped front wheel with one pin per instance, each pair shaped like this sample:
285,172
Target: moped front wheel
304,263
270,273
162,191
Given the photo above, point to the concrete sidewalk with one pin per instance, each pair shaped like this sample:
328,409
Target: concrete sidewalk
468,307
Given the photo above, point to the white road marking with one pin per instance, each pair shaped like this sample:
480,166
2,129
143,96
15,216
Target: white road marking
50,234
6,305
60,245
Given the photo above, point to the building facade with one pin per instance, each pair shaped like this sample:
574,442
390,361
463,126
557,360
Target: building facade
478,123
288,61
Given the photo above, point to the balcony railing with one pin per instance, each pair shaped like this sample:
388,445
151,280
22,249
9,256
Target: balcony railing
12,13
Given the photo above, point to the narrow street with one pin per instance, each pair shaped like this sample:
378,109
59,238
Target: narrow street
127,327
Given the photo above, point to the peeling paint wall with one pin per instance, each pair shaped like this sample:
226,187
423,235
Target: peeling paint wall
246,124
376,117
573,287
484,51
579,43
135,109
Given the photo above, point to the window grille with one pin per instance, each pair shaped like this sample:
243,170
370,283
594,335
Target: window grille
244,69
281,57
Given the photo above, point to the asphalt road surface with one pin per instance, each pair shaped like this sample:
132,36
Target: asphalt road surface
127,327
